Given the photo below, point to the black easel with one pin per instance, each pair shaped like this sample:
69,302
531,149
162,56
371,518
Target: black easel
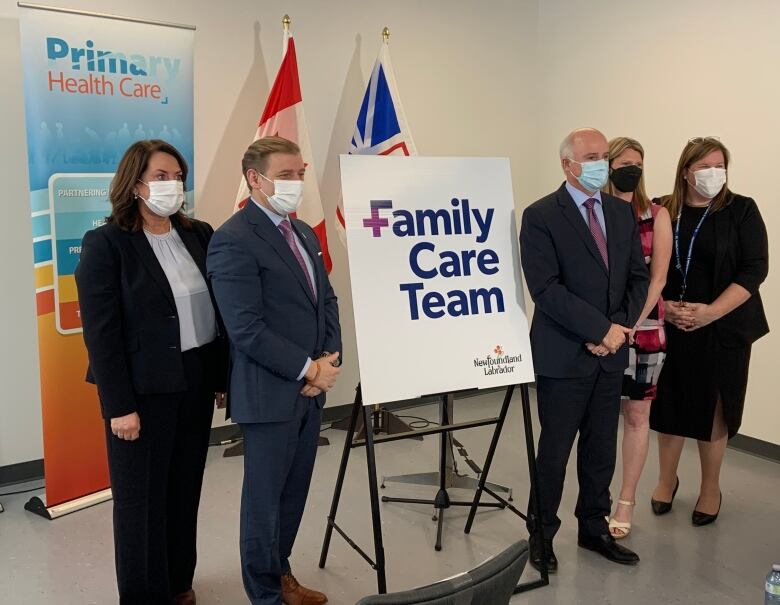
531,452
442,501
349,443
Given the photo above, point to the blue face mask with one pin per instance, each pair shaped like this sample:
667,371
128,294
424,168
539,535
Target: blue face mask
594,174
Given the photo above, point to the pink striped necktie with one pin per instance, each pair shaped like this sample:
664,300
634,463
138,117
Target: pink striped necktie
596,231
286,228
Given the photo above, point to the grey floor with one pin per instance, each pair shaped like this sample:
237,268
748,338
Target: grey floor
70,561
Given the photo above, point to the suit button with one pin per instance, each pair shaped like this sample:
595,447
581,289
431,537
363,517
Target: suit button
171,317
173,347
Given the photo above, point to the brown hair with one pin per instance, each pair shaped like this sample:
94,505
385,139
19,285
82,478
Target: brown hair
256,155
695,150
124,202
640,202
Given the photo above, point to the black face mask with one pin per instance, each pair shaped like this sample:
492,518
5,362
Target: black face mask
626,178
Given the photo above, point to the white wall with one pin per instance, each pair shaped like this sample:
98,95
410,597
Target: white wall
466,80
663,72
500,78
20,408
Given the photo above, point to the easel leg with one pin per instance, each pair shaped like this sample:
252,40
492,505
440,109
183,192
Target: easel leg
535,504
356,407
442,501
489,460
379,549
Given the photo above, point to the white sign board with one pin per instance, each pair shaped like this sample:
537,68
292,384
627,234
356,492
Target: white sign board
435,270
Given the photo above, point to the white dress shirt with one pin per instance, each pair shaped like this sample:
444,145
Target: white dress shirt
580,197
197,321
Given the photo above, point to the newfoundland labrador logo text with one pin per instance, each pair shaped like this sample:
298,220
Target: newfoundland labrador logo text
498,362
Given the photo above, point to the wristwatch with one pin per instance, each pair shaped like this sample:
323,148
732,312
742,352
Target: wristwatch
336,363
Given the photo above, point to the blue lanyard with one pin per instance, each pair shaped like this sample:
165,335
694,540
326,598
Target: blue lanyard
684,272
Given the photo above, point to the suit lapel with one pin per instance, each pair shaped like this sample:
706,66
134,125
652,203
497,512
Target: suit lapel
149,260
314,256
572,214
265,229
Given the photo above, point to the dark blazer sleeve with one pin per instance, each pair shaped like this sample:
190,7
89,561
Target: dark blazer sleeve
636,285
542,273
753,266
222,369
98,284
333,327
238,289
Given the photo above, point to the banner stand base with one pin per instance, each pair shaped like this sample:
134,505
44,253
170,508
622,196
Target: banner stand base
37,505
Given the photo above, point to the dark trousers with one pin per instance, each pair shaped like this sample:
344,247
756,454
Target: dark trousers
589,406
156,482
278,464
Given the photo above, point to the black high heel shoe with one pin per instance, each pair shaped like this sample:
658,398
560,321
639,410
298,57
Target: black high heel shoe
699,518
661,508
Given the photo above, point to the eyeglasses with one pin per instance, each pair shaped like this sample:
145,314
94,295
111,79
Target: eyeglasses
704,139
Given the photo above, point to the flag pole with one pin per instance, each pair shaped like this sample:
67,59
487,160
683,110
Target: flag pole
286,35
378,408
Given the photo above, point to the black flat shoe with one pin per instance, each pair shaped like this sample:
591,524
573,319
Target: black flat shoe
608,548
699,518
536,555
661,508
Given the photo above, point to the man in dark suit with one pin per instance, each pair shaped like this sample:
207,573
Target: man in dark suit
282,320
583,262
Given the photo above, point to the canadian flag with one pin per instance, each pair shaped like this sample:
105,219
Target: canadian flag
283,116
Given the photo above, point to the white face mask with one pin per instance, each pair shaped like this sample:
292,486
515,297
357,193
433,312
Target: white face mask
709,181
165,197
287,196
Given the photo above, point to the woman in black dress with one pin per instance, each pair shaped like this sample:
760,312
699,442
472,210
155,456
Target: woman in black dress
714,313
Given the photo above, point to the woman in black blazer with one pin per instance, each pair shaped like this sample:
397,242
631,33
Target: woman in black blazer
159,362
714,314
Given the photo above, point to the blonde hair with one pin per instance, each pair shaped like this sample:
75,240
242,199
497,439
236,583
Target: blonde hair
617,146
256,155
695,150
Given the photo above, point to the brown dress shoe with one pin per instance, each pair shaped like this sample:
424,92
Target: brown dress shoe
185,598
295,594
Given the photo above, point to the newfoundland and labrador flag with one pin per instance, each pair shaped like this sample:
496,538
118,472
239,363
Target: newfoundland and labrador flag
381,127
283,116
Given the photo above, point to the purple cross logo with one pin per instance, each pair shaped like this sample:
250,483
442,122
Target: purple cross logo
375,223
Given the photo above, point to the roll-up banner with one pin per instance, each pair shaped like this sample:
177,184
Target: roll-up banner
93,84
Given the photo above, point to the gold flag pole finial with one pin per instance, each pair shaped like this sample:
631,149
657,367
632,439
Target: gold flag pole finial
386,35
286,22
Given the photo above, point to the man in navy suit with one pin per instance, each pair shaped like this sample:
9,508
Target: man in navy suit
282,320
583,262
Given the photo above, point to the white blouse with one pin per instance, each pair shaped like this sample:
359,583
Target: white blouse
197,322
